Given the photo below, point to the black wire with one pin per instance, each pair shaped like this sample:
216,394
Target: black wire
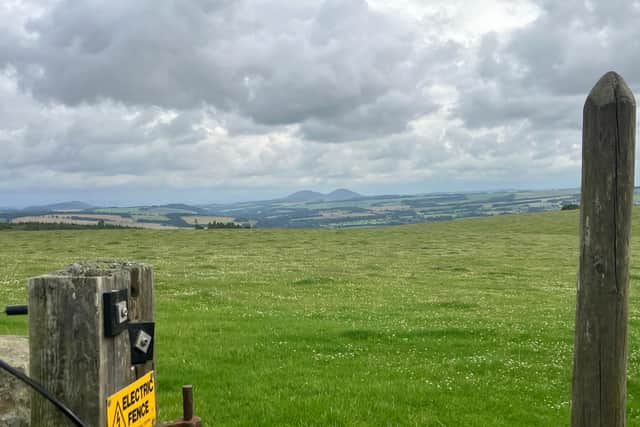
40,389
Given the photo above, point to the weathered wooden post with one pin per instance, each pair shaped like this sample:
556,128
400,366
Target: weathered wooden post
82,337
600,346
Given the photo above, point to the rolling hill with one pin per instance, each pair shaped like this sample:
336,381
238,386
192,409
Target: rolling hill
341,208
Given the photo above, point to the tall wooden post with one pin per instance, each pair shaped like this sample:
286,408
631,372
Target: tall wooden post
69,352
600,346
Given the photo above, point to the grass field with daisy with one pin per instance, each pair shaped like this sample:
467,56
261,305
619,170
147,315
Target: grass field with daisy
459,323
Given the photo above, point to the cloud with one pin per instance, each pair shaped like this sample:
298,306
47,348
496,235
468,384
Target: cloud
573,43
544,70
267,95
339,69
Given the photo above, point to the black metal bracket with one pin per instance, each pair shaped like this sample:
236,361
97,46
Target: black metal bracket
141,337
116,312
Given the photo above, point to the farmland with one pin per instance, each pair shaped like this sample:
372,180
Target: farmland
88,219
456,323
306,209
375,211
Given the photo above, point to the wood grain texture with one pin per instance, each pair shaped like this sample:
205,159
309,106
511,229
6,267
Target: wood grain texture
600,346
69,353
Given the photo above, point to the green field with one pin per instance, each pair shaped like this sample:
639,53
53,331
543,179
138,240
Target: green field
460,323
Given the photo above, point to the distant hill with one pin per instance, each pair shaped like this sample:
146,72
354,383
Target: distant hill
313,196
346,209
340,208
304,196
181,207
62,206
341,194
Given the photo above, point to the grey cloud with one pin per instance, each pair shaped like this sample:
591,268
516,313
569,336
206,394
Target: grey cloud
278,93
323,63
100,140
491,105
554,60
389,114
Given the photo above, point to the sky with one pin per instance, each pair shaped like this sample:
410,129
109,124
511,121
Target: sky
140,102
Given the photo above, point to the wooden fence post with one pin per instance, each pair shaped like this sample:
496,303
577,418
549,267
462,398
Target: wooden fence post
600,346
69,352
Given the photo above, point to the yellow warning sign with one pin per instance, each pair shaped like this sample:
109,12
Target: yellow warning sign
134,405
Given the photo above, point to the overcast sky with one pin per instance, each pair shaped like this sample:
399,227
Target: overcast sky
146,101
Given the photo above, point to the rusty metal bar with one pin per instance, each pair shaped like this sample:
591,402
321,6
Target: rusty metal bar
187,419
187,402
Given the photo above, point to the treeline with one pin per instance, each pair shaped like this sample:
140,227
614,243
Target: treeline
39,226
570,207
216,225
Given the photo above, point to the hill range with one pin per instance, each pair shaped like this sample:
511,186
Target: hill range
304,209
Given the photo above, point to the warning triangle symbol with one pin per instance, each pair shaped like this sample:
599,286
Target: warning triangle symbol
118,418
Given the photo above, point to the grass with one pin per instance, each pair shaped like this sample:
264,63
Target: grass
462,323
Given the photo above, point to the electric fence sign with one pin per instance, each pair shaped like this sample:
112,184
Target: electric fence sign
134,405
